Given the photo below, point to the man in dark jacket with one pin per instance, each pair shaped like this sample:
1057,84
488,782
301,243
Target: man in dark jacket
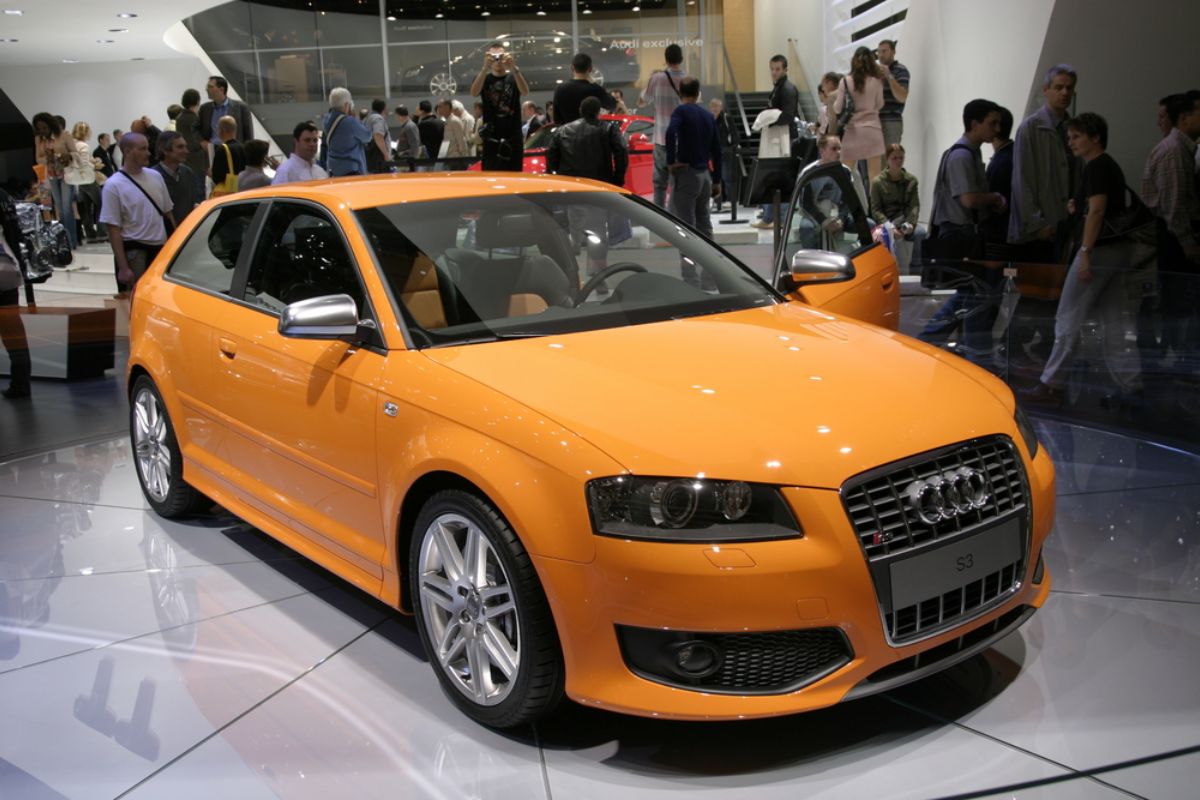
220,104
589,148
785,97
569,96
432,130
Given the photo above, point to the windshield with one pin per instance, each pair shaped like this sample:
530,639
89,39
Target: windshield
478,269
540,138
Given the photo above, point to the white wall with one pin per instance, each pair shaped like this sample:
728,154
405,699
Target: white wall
106,95
776,21
958,50
1128,55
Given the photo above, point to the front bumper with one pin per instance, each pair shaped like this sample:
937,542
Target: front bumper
819,581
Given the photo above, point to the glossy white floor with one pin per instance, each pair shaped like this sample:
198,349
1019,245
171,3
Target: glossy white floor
145,658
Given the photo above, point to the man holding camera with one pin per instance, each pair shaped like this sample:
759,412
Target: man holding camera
499,87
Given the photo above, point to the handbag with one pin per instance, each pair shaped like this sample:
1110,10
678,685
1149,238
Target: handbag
230,184
1137,223
843,119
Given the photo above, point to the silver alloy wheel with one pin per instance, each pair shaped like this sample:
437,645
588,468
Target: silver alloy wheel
469,610
151,446
443,84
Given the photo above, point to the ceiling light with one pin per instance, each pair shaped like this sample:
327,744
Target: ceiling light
138,58
486,14
637,9
391,18
126,15
587,11
118,30
541,13
70,60
439,15
104,41
13,12
10,41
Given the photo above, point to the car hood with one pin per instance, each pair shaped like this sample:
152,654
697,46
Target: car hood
785,394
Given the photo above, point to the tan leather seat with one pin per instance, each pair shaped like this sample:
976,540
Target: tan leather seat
421,295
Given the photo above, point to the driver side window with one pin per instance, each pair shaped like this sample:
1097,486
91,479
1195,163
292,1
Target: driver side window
830,214
300,254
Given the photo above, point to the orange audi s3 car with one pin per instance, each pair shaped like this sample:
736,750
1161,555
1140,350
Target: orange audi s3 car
595,455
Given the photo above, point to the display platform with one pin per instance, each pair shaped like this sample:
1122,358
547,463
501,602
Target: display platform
145,658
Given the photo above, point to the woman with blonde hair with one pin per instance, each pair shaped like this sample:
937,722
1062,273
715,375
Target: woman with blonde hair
862,135
81,174
55,151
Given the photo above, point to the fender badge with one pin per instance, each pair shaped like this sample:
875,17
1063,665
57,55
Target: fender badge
391,409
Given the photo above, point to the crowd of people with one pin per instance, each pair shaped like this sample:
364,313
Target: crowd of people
1048,194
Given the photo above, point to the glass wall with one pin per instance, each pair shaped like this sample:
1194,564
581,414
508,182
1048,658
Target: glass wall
283,58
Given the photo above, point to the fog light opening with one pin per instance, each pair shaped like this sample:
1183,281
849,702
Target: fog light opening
696,659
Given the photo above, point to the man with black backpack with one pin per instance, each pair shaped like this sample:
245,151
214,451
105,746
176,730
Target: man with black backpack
592,148
663,91
961,200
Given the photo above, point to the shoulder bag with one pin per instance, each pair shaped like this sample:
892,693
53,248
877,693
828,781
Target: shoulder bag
843,118
230,184
170,227
1136,223
323,157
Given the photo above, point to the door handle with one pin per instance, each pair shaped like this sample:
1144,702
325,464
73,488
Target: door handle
228,347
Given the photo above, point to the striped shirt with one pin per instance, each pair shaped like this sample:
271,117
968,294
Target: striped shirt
1169,185
663,93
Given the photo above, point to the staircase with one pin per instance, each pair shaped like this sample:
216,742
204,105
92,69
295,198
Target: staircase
757,102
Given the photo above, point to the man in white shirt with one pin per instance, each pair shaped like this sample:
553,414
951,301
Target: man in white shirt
301,164
135,206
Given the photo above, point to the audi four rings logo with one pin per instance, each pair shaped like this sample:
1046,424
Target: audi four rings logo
948,495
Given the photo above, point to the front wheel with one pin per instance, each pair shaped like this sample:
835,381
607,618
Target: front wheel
156,452
481,613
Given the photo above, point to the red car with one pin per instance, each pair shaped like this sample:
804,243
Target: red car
639,135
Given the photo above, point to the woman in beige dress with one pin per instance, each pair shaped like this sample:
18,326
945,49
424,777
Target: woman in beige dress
862,138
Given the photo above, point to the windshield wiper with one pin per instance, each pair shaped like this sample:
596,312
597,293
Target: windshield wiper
492,337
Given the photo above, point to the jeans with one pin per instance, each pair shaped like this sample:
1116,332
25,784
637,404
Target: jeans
1106,289
662,175
893,131
589,228
908,249
690,191
63,195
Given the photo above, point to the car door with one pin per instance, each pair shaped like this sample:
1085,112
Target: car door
301,414
196,290
828,212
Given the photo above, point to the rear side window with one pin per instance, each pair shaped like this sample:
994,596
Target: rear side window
208,259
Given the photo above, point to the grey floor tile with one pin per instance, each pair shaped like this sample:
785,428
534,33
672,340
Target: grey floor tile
1169,779
1089,681
1137,542
95,724
100,473
1091,460
869,748
371,722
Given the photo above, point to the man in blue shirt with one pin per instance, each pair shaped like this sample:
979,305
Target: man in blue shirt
694,158
344,136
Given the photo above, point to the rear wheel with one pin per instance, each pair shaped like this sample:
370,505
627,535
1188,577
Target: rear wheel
156,452
482,614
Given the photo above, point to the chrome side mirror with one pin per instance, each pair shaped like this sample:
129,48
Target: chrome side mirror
812,267
333,316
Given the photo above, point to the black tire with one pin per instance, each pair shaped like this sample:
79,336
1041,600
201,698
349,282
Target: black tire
535,688
156,454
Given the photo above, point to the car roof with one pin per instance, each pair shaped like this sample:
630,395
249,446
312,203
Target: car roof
368,191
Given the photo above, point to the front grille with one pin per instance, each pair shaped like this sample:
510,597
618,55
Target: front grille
938,612
777,661
772,662
888,526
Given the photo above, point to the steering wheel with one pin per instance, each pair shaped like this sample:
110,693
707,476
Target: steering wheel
604,274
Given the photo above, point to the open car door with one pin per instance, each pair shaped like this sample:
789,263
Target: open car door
828,213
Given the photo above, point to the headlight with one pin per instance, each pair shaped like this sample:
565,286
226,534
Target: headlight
1027,433
689,510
